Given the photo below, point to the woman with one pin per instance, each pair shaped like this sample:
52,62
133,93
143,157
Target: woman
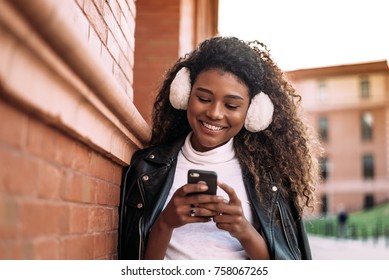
224,107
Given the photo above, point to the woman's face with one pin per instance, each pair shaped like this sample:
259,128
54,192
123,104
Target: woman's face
217,108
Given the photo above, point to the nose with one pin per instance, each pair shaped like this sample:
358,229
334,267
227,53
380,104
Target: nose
215,111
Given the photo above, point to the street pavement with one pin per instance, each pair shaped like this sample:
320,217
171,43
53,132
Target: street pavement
347,249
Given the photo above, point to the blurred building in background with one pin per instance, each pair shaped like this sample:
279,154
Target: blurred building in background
348,105
77,80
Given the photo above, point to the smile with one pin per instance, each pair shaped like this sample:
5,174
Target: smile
212,127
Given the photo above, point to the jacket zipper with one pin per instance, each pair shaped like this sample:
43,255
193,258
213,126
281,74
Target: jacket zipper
140,238
140,224
285,233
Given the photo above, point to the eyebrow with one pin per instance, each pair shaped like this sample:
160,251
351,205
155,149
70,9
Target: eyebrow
232,96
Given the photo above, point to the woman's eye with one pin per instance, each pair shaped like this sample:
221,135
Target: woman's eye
232,107
204,100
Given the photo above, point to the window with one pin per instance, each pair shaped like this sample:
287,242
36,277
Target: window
369,201
324,169
324,203
367,122
364,88
323,128
368,166
322,91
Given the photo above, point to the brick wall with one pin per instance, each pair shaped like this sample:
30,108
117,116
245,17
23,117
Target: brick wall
67,126
157,47
58,196
111,34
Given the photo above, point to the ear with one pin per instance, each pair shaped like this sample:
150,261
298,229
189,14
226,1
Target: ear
260,113
180,89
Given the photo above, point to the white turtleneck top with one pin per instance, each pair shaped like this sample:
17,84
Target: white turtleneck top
204,240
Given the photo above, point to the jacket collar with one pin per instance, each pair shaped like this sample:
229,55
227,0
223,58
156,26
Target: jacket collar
166,153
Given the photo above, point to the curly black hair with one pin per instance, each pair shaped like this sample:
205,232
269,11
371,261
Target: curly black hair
286,149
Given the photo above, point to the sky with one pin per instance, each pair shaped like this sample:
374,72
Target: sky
311,33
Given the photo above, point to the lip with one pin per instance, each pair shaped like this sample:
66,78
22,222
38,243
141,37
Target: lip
211,128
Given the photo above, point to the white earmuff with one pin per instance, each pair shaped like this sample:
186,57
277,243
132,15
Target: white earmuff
180,89
260,113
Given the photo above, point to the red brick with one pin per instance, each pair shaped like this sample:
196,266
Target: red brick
120,39
112,242
115,219
79,188
100,5
115,191
10,250
50,178
102,192
101,167
81,158
100,219
96,20
120,77
9,217
78,220
47,249
64,151
100,245
41,139
39,218
109,18
132,7
126,67
78,247
13,127
113,46
18,174
107,59
107,194
115,9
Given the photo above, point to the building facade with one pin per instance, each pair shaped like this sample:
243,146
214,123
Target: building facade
348,105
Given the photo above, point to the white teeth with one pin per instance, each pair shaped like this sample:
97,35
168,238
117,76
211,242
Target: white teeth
212,127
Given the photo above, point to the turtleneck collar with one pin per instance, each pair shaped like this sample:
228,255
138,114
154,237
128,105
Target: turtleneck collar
217,155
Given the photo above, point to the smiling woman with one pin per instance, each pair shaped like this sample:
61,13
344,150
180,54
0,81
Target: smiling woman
224,108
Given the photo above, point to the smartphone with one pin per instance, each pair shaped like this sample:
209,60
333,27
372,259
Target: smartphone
209,177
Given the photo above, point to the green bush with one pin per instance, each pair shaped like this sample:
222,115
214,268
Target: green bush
369,223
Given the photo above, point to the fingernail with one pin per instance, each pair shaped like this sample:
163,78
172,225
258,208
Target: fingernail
220,198
203,187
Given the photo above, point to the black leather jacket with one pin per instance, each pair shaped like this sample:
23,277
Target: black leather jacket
146,184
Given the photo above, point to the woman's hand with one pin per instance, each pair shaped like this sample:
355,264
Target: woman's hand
184,206
231,218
